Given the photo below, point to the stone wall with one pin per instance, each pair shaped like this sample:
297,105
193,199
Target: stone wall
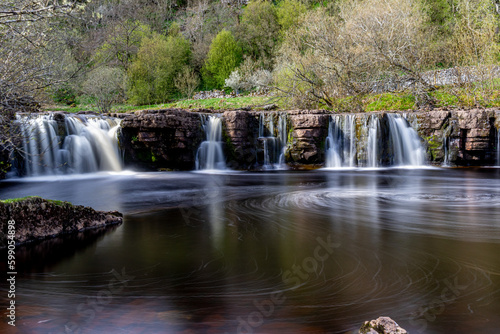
37,218
170,138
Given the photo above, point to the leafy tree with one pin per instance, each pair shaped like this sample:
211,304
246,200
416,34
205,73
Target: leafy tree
223,57
259,31
288,13
159,60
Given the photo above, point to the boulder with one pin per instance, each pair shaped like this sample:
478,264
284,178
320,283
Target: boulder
37,218
381,325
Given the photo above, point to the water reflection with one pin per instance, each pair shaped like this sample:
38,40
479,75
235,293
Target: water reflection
208,253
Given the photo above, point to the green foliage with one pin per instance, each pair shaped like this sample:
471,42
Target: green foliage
151,76
65,95
390,101
122,43
21,199
223,57
440,15
288,13
259,31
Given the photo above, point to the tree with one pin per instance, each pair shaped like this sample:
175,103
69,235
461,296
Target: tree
223,57
152,74
259,31
371,45
288,13
187,81
122,43
105,85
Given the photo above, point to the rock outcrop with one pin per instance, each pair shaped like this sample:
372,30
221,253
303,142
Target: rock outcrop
36,218
309,130
381,325
460,137
161,138
170,138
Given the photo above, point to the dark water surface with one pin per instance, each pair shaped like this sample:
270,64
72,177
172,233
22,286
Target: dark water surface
308,252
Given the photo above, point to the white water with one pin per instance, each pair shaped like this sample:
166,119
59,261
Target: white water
87,145
341,142
274,146
402,143
373,141
407,148
210,155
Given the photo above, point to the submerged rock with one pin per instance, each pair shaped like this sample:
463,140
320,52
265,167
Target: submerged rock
37,218
381,325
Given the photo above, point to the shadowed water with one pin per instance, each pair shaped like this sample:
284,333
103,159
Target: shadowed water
309,252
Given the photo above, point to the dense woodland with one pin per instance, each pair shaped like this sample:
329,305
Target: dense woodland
313,53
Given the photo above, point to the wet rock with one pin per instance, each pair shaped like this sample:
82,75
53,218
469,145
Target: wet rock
36,218
381,325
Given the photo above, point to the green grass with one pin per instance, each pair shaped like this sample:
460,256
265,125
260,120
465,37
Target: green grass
481,94
215,104
389,101
15,200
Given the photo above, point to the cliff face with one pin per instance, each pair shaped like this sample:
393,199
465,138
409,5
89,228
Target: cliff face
36,218
170,138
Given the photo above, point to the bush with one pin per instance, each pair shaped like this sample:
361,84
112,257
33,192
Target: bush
159,60
223,57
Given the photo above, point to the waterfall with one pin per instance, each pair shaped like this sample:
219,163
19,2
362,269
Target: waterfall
274,147
446,146
81,145
407,148
341,142
373,142
383,141
210,155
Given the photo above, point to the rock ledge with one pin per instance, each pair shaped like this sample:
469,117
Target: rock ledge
37,218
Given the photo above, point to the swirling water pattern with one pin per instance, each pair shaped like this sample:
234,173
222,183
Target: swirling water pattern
316,252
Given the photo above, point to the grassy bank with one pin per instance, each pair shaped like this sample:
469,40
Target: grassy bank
477,95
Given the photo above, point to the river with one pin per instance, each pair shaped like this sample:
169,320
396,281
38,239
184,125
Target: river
274,252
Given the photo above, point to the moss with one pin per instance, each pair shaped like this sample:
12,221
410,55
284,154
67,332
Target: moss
21,199
432,143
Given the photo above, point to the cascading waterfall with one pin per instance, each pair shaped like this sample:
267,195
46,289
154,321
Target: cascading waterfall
341,142
210,155
398,145
446,146
274,146
373,142
407,148
81,145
